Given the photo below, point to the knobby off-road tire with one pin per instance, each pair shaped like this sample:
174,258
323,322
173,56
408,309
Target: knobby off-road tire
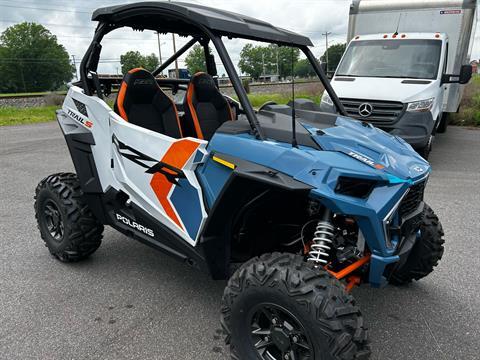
332,324
425,254
70,230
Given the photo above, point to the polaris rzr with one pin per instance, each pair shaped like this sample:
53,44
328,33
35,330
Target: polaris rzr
293,207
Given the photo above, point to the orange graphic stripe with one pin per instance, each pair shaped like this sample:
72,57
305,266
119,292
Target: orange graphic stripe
176,156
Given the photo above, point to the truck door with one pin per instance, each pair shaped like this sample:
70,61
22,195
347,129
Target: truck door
158,173
445,87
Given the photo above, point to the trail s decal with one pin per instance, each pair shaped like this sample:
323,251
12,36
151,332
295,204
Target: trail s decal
85,122
135,225
365,160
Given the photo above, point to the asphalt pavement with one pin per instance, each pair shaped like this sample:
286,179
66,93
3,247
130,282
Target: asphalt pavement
129,302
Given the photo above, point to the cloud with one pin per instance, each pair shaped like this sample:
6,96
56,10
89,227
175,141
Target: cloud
70,22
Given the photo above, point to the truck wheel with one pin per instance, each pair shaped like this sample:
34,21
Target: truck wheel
68,227
425,254
279,307
425,151
442,126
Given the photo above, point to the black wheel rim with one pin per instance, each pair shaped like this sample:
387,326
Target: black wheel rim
278,335
53,220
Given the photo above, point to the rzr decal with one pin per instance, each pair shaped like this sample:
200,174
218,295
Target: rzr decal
168,178
170,172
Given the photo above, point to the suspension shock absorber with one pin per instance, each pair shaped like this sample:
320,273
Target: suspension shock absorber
322,240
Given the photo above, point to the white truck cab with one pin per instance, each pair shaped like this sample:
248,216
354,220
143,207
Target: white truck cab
401,80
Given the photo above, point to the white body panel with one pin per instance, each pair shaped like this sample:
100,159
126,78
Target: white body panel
127,176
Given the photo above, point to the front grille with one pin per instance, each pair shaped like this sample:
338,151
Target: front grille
413,199
383,112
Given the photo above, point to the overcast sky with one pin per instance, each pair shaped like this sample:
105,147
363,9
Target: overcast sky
70,21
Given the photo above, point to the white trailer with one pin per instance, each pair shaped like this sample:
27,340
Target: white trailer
404,59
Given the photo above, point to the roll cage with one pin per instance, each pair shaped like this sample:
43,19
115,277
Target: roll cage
204,25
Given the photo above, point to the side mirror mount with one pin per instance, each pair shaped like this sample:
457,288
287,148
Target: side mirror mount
463,78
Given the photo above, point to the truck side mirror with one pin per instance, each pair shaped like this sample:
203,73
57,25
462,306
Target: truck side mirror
465,74
463,78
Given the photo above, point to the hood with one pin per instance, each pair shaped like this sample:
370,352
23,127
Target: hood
377,149
386,89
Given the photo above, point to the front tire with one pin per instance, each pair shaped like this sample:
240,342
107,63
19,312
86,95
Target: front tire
279,307
67,226
442,126
425,151
425,254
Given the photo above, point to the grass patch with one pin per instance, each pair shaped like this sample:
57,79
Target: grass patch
16,116
469,114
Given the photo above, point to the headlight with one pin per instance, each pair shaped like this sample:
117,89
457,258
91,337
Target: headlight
359,188
421,106
326,99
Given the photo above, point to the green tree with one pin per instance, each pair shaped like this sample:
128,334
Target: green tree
252,60
133,59
259,60
285,57
335,53
304,69
195,60
31,60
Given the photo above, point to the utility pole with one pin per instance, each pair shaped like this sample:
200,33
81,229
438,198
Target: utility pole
159,50
175,51
263,65
278,67
326,33
75,64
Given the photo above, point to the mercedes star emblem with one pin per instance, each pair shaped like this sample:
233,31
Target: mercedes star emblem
365,110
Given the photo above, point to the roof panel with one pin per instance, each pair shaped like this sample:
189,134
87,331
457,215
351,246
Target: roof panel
219,21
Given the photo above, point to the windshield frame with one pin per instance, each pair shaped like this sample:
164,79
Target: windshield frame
438,42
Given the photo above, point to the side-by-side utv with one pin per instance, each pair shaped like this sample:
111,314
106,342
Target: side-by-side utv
292,207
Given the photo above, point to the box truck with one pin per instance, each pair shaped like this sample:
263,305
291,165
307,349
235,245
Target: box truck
405,65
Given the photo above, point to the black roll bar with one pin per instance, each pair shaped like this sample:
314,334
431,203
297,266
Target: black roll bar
237,84
175,56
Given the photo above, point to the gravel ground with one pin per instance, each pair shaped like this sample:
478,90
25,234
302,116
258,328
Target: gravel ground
130,302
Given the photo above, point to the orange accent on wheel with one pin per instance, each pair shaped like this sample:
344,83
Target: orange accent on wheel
177,156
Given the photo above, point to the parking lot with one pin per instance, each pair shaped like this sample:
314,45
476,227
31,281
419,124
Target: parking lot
128,301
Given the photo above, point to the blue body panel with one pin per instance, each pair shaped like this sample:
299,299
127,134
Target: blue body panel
349,149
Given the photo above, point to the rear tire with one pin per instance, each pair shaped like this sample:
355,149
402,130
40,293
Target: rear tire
279,304
425,254
70,230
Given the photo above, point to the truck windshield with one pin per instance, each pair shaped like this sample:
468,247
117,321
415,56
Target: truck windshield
413,59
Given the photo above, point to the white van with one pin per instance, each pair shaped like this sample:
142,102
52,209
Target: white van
404,64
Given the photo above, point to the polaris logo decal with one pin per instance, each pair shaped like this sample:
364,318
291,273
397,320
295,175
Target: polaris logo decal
135,225
365,160
80,119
